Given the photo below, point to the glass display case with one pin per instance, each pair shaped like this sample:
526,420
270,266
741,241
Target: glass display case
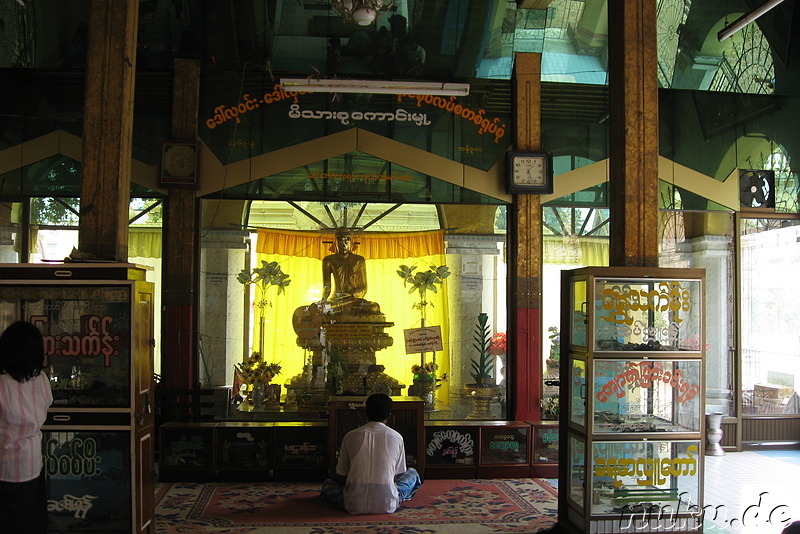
544,449
635,345
97,323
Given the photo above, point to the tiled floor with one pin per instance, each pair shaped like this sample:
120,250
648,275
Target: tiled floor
752,492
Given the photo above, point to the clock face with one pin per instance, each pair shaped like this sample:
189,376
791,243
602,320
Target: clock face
178,163
179,160
530,170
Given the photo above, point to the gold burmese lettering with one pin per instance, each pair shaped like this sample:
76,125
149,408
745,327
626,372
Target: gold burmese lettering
652,471
669,296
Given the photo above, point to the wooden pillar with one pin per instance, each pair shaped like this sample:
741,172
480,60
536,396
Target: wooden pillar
179,357
633,98
526,253
108,129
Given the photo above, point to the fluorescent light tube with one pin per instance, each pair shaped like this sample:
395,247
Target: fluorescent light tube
746,19
313,85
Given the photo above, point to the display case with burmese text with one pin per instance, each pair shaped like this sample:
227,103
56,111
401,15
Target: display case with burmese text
451,449
635,392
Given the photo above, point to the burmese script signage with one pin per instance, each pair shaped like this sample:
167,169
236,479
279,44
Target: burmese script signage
341,331
545,444
240,125
244,447
70,460
428,339
185,448
504,445
86,331
401,177
644,374
300,445
451,446
494,127
647,470
653,315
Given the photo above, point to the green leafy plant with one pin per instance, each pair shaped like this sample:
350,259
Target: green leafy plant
483,367
423,281
555,347
427,373
268,275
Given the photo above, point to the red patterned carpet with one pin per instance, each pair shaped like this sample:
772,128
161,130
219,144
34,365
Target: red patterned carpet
440,506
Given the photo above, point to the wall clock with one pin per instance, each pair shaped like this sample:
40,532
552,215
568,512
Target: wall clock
529,172
179,163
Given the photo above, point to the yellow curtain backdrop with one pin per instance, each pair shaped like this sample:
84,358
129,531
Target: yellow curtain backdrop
300,256
573,250
144,242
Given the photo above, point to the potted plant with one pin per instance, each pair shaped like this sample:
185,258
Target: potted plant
550,407
484,389
425,380
422,282
268,275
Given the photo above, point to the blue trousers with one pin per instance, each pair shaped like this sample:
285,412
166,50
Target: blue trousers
407,485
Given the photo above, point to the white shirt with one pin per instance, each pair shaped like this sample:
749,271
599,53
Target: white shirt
370,457
23,409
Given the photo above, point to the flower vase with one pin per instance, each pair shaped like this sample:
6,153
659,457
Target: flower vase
714,434
425,391
257,397
482,397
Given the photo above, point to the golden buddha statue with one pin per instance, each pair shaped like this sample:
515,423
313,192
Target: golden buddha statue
348,272
342,321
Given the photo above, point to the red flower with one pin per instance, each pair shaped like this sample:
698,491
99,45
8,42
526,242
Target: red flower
497,345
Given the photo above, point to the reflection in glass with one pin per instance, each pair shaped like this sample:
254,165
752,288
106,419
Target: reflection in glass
87,338
577,469
578,316
578,389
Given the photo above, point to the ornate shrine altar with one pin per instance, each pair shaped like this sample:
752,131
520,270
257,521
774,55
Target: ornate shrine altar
342,332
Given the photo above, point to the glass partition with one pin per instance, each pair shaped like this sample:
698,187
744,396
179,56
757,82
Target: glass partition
770,249
646,396
655,474
577,385
421,312
577,470
647,315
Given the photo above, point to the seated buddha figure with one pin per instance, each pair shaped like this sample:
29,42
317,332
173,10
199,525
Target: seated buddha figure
347,270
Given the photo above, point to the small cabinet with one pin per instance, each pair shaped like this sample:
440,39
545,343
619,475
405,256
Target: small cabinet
244,451
451,449
300,451
408,416
544,449
633,379
97,323
504,449
186,452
